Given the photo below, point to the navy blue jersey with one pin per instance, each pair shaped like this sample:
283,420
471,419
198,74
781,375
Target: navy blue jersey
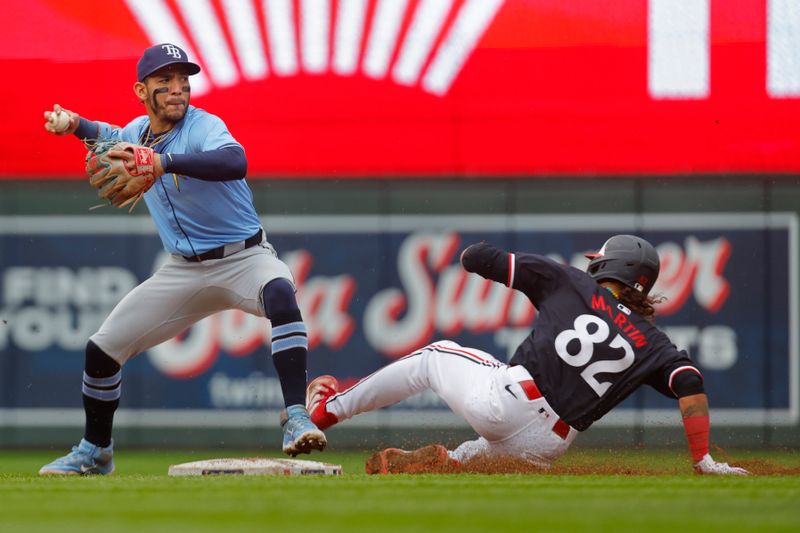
587,351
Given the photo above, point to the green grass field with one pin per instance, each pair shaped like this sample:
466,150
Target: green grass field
141,498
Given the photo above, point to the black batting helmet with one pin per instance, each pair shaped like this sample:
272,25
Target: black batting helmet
628,259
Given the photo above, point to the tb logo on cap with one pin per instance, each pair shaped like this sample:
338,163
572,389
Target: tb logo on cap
172,50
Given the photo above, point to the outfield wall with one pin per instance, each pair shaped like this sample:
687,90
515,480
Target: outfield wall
357,248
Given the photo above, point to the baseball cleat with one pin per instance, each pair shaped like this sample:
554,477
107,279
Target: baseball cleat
300,435
432,459
84,459
317,394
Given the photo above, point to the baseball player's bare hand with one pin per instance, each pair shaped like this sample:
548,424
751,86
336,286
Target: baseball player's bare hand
52,125
127,158
707,465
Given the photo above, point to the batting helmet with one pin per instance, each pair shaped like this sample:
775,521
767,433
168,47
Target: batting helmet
628,259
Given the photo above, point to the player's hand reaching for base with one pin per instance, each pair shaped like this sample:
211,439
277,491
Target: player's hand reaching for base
707,465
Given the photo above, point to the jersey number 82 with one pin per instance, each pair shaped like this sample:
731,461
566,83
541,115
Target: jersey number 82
586,342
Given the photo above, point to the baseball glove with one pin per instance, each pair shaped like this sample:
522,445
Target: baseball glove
118,181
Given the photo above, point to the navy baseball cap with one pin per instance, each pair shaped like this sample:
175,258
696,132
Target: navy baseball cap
161,55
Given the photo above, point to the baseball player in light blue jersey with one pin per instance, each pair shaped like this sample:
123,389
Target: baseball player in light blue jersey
220,258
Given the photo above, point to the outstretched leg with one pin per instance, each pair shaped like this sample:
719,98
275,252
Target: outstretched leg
474,385
458,375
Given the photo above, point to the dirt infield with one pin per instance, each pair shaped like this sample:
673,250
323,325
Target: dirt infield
510,465
756,467
759,467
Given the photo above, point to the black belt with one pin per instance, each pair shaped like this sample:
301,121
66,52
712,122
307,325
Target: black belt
227,249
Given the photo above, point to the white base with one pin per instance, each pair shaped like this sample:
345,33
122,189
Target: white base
255,466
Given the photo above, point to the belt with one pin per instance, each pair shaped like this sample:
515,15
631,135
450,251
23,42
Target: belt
530,389
227,249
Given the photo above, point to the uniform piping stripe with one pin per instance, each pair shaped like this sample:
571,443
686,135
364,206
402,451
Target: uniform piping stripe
443,348
291,327
458,353
466,354
276,338
682,369
103,382
510,270
366,378
467,357
102,395
289,343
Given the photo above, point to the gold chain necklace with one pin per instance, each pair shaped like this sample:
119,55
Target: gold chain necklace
156,139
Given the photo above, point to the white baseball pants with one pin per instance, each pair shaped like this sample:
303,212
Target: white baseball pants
476,386
182,293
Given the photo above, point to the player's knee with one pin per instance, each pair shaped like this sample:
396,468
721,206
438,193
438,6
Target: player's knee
279,300
98,363
441,344
435,350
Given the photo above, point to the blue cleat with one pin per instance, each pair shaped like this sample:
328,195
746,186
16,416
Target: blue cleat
85,459
300,435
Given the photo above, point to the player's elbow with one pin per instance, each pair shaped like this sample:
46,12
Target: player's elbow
474,256
239,171
688,383
236,164
468,258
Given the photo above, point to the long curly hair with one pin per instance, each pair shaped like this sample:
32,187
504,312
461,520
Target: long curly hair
644,305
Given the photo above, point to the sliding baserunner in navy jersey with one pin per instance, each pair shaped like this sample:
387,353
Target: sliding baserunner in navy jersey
592,344
220,257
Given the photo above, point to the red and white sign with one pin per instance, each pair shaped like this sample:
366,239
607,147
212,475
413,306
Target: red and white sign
353,88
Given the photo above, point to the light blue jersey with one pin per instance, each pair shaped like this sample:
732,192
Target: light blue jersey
197,215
